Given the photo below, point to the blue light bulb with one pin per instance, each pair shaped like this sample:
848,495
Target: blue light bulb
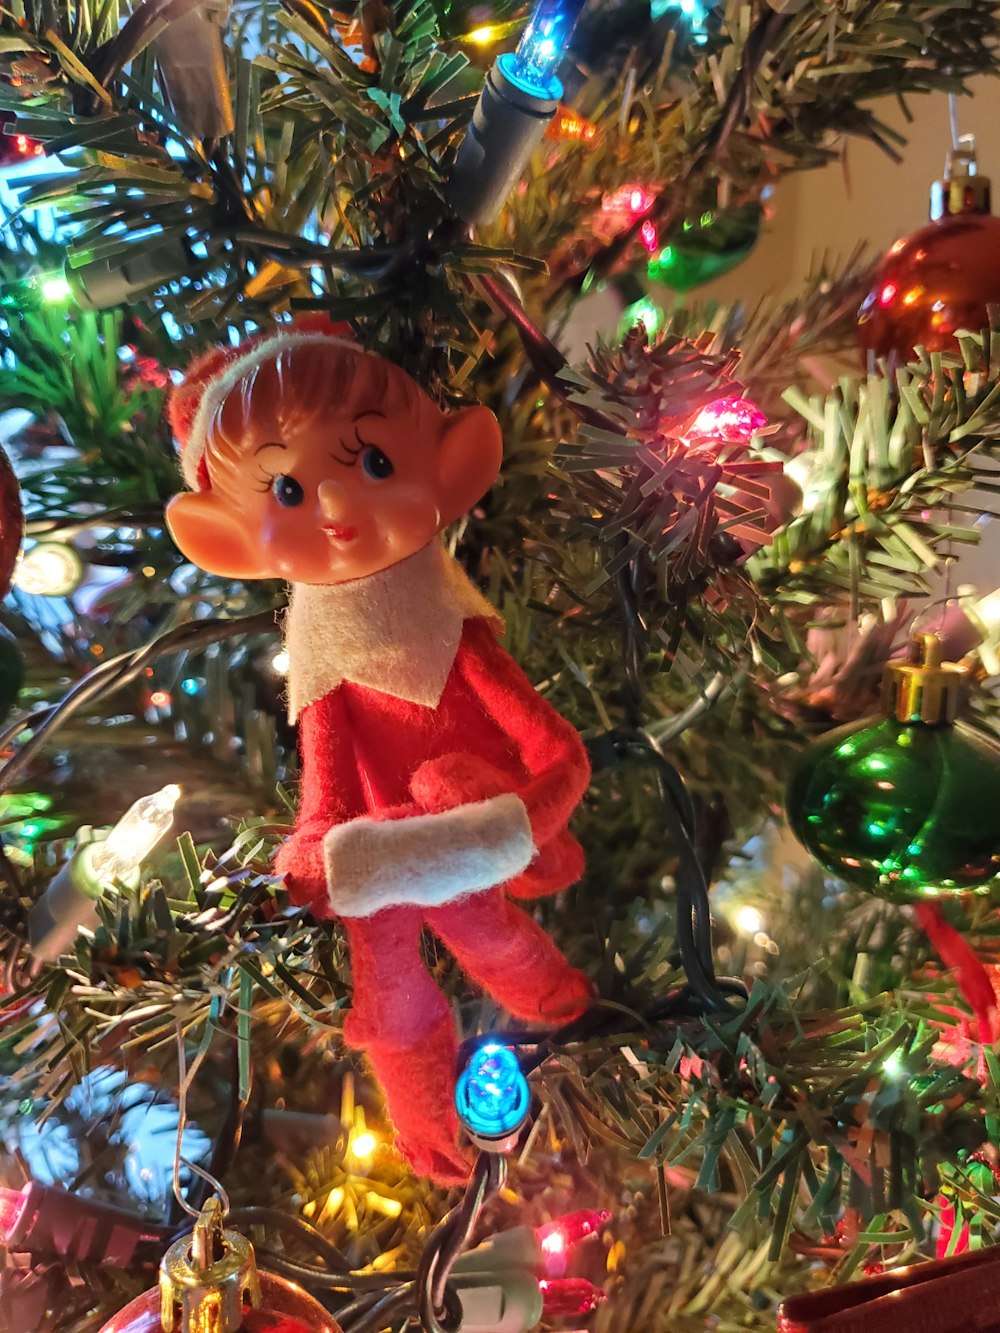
543,45
492,1095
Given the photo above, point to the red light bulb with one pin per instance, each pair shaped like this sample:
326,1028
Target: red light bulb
728,421
562,1296
556,1236
12,1204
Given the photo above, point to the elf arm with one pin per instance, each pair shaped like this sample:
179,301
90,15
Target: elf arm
330,794
550,749
346,860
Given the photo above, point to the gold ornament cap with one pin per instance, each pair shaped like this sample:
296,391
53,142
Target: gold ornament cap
923,688
961,189
206,1278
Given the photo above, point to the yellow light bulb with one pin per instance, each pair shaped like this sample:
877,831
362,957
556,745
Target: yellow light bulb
135,835
484,36
362,1146
748,920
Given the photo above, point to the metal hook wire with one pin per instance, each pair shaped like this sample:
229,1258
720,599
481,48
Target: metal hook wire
185,1080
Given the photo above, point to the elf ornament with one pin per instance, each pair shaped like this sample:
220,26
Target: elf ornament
436,784
210,1283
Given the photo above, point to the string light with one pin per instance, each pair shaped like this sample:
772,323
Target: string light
565,1296
69,902
280,662
519,99
492,1096
727,420
748,920
567,126
362,1146
135,835
49,569
55,289
556,1240
646,312
628,201
543,44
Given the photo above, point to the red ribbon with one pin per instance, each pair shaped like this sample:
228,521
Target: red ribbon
971,977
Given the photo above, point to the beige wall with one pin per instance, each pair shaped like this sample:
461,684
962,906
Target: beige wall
866,196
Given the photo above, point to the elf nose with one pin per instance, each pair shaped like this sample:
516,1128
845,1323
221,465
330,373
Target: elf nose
332,500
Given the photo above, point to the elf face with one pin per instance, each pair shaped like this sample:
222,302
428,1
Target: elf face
313,485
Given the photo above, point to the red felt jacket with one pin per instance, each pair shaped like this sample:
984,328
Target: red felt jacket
369,753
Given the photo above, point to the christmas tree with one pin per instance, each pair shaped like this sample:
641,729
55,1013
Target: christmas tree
709,540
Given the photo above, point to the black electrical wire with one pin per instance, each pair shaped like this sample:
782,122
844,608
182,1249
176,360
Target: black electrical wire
110,676
438,1308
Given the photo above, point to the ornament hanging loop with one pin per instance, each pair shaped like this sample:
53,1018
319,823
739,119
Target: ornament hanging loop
924,688
207,1278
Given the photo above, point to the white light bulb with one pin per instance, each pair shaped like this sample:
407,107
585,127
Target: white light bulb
988,610
748,920
279,663
135,835
49,569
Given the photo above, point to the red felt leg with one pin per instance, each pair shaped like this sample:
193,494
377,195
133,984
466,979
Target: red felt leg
556,866
512,958
405,1024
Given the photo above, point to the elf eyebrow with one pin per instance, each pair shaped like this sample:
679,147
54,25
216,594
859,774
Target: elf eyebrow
271,444
368,412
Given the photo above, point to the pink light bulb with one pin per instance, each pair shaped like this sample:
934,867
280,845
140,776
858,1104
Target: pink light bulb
728,421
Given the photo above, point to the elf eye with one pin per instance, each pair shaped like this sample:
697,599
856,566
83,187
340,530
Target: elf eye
376,464
287,491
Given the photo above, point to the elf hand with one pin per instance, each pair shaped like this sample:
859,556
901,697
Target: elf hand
302,859
456,779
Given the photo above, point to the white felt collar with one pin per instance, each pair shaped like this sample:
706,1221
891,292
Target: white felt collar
397,631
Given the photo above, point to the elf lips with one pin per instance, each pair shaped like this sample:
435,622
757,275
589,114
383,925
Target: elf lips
338,532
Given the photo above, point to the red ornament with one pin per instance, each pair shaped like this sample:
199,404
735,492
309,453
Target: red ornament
209,1283
286,1309
11,523
942,277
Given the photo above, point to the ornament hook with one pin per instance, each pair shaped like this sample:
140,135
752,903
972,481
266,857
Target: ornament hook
207,1277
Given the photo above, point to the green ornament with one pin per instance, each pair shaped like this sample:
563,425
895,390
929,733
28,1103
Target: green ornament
904,805
706,247
11,672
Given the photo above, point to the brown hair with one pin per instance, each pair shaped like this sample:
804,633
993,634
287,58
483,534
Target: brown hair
304,383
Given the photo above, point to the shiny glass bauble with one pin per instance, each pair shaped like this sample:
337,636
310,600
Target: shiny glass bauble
932,283
902,810
286,1308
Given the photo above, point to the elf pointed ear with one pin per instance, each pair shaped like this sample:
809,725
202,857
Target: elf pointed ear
213,536
469,458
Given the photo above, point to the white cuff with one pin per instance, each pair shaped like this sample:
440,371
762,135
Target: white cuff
426,860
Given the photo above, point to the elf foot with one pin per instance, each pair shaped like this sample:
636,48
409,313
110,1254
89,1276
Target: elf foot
445,1164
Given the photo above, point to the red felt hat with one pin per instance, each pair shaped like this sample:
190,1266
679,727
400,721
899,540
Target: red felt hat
211,376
